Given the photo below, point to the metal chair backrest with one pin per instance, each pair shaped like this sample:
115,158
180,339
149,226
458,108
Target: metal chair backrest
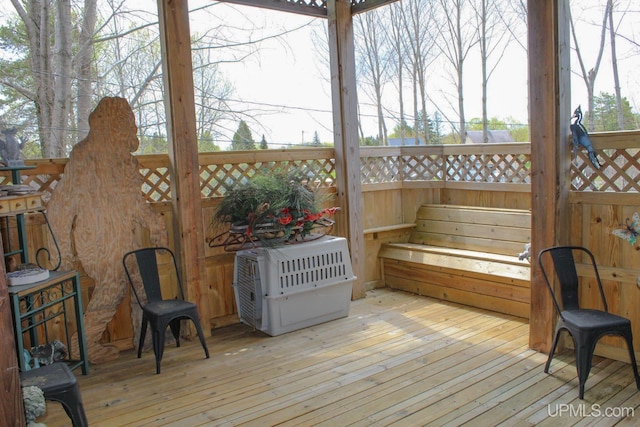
149,273
565,268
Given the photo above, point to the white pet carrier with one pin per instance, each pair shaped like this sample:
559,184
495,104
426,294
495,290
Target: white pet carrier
291,287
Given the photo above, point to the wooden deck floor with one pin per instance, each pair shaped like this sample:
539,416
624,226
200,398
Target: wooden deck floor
398,359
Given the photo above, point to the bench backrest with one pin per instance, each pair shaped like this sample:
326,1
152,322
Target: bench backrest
493,230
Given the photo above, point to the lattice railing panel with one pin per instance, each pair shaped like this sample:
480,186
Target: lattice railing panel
216,180
503,168
423,168
619,171
618,153
374,170
42,179
156,184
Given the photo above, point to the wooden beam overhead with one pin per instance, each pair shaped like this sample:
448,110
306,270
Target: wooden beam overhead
309,8
365,5
315,8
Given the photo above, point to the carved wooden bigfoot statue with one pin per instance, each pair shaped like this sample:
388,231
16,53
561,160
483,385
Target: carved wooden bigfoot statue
93,213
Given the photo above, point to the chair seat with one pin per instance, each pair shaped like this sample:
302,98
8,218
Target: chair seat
595,319
58,383
49,378
161,308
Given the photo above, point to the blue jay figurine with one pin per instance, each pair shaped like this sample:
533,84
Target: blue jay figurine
581,137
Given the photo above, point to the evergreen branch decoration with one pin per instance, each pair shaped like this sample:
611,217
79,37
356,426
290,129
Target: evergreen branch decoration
269,210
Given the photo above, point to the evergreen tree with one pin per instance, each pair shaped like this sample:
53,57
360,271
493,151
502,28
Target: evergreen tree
316,140
606,114
370,141
397,130
263,144
242,139
206,144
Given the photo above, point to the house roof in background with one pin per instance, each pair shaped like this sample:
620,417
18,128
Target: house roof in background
396,142
475,136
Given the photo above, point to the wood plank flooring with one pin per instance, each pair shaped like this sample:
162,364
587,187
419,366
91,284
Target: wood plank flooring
398,359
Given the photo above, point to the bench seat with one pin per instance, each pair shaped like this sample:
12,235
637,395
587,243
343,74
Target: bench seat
466,255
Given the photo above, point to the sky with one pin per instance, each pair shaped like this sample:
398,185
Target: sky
286,84
293,75
286,80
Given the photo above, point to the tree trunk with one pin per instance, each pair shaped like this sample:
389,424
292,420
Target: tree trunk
459,68
84,70
589,77
485,78
614,64
36,21
62,79
396,42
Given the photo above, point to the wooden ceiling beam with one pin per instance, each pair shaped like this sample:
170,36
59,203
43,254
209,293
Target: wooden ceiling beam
313,8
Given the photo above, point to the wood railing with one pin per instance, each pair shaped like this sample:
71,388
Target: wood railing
443,165
489,167
489,175
439,166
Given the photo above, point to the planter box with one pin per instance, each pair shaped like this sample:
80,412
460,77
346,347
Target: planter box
291,287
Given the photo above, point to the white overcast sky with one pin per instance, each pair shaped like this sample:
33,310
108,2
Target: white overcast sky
290,81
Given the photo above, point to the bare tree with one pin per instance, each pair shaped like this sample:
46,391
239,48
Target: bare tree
493,41
515,18
373,60
458,38
589,77
84,69
614,64
55,70
38,30
418,22
62,78
120,57
395,39
211,91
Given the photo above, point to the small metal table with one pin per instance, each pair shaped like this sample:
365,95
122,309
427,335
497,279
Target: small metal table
34,305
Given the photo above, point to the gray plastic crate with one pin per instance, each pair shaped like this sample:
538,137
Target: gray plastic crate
291,287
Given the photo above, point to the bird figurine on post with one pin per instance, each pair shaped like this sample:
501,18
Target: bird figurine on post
581,137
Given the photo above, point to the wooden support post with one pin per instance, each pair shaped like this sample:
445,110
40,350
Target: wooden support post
345,129
11,405
549,119
183,151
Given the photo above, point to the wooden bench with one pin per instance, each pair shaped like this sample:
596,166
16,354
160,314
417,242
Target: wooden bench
464,254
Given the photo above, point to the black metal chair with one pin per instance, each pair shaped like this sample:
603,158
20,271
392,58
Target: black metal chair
585,325
58,384
141,267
